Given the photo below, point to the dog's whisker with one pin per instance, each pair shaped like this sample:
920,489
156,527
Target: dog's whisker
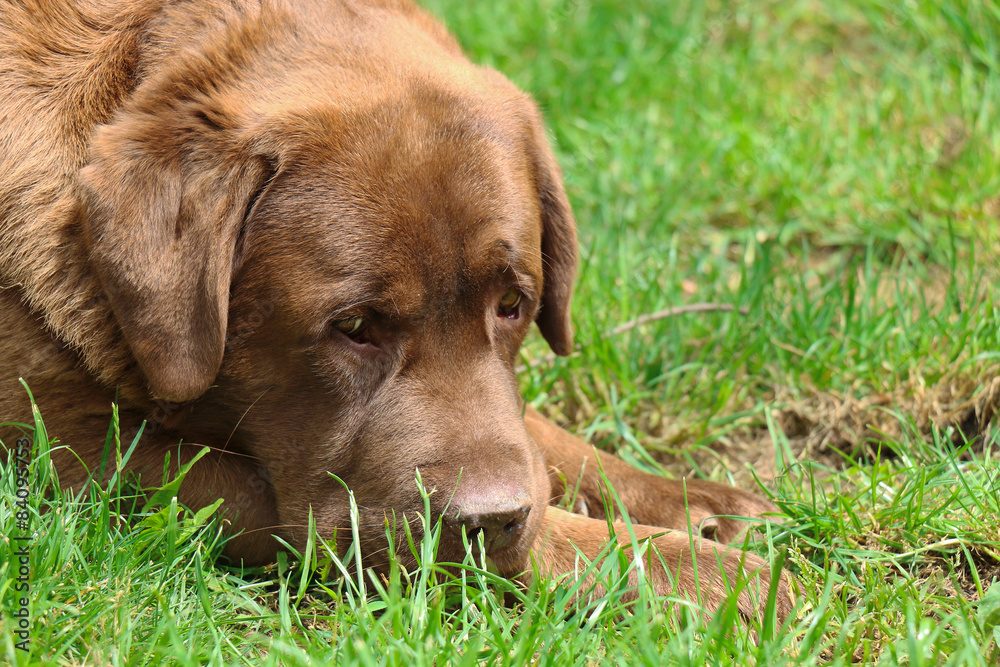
242,416
219,450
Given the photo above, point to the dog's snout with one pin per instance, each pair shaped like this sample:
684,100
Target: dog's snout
499,527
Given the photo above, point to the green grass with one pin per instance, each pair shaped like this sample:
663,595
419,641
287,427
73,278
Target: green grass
829,168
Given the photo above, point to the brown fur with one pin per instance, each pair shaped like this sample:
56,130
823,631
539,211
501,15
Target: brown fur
192,193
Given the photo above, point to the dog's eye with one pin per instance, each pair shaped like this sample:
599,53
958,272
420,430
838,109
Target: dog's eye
352,326
509,303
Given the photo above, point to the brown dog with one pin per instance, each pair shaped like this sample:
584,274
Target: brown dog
311,236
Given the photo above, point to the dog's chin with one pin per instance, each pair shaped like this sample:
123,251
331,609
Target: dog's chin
510,561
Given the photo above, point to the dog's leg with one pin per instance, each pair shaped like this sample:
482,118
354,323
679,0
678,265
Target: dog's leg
575,466
681,564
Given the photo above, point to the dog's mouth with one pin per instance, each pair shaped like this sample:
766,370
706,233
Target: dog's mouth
501,542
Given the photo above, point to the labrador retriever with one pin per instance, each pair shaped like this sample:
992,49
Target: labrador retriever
311,236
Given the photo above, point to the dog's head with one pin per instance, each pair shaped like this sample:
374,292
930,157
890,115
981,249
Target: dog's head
334,259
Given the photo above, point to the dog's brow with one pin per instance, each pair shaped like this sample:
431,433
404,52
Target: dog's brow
370,295
507,261
504,254
501,256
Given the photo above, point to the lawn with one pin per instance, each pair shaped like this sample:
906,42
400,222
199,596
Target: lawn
825,178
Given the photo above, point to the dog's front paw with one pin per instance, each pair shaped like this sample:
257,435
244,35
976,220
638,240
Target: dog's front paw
698,570
720,512
717,512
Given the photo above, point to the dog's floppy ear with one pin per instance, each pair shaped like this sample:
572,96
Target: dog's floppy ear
559,249
164,198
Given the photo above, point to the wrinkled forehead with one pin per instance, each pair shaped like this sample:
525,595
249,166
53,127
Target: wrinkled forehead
442,179
408,205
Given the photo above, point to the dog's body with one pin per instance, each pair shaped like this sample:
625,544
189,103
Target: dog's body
311,236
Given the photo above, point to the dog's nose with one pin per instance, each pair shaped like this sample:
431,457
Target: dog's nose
498,526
